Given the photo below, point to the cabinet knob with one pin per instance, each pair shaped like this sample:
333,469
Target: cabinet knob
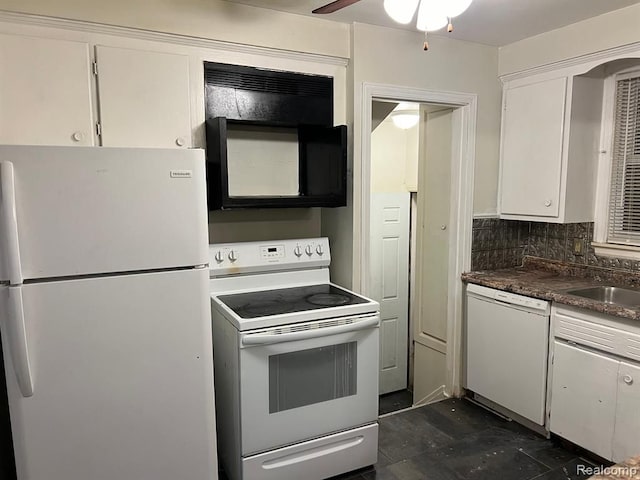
443,227
77,136
180,142
628,379
547,203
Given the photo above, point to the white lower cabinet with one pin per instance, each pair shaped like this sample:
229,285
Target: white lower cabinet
595,395
626,440
583,402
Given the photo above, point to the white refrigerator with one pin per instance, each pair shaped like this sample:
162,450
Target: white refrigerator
104,313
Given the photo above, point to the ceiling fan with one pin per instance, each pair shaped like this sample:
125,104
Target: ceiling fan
334,6
432,14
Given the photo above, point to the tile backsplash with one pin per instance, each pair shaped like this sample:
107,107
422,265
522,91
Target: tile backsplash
503,243
498,243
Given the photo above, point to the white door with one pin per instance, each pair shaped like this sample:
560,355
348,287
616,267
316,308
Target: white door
45,92
70,221
533,127
390,283
433,236
122,379
626,440
583,397
144,98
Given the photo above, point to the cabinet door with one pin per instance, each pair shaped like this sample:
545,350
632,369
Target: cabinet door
626,441
532,132
144,98
45,92
583,398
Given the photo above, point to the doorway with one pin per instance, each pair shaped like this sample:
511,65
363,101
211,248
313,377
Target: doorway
417,188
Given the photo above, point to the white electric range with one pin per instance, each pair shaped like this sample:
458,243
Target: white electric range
296,363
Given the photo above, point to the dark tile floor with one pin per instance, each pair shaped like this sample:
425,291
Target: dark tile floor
458,440
392,402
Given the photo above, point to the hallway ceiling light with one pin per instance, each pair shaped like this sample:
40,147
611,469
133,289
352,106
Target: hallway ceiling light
405,115
432,14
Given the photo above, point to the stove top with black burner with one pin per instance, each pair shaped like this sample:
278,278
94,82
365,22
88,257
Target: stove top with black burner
288,300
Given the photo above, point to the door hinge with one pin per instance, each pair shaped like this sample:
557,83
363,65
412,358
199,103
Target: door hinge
98,129
95,68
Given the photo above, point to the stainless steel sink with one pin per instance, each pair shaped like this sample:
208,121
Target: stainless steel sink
612,295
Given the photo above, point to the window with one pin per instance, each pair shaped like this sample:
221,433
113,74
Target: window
618,229
624,204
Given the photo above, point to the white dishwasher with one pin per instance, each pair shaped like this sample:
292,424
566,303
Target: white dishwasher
507,348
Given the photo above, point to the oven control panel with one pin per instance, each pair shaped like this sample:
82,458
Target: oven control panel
252,257
272,251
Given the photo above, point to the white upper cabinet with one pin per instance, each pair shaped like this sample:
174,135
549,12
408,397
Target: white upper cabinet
144,98
45,92
532,148
550,133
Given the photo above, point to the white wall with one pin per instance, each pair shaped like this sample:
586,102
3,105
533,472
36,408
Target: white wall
392,150
395,57
212,19
613,29
264,224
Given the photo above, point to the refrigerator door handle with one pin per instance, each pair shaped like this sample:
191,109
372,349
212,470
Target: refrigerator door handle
10,224
17,341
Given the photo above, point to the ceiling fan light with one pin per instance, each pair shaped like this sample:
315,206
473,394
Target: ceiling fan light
456,7
401,11
431,16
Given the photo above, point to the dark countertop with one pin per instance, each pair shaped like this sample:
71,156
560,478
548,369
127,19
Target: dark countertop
550,280
627,470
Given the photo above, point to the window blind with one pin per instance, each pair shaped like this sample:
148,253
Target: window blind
624,203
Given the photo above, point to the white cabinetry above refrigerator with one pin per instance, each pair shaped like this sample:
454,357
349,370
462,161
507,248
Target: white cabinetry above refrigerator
46,92
56,94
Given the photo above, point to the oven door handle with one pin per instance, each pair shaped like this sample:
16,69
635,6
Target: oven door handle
268,339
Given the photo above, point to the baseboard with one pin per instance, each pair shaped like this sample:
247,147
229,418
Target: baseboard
507,414
437,395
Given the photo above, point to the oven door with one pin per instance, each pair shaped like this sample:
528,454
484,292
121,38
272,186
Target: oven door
306,380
